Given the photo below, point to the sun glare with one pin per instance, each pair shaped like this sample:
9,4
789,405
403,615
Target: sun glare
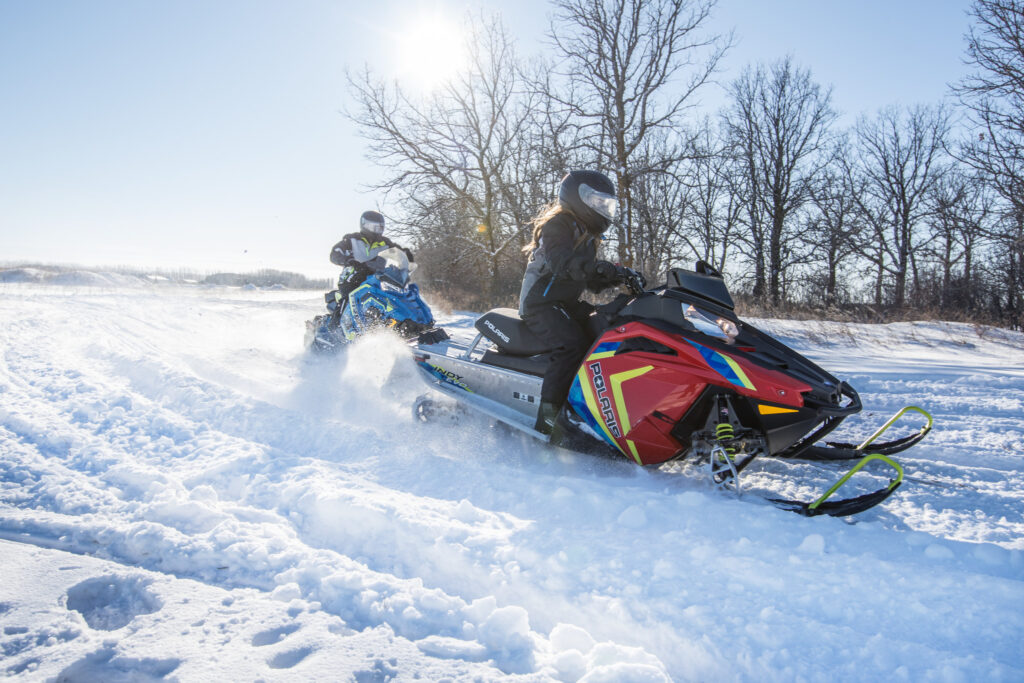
429,50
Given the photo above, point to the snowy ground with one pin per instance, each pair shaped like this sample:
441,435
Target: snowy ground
185,496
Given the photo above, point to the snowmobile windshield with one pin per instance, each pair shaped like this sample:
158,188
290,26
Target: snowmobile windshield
393,266
601,202
710,324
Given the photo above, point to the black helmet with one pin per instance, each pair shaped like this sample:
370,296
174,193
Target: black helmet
590,195
371,224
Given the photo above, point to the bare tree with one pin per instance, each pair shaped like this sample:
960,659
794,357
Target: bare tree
963,215
779,123
994,94
711,216
899,161
994,98
458,153
833,229
659,205
632,68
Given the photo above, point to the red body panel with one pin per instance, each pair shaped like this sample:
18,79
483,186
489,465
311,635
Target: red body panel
635,398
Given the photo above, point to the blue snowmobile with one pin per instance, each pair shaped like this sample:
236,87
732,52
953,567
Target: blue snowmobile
386,299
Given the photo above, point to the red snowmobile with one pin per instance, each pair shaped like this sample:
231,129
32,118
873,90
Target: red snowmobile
674,374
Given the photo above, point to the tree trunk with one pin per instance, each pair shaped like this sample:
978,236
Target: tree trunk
879,279
775,258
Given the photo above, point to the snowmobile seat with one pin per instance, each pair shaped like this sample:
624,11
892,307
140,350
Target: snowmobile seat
506,329
529,365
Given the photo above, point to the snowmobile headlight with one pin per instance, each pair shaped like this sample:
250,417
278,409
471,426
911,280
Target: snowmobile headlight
728,328
390,286
719,328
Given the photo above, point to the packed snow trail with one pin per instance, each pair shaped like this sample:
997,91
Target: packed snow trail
185,495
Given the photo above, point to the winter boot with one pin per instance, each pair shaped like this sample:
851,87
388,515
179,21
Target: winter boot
335,319
546,417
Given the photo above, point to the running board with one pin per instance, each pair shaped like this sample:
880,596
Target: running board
492,409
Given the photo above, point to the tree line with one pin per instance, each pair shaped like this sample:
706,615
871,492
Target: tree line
911,208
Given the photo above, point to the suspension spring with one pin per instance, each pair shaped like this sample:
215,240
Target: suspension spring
724,433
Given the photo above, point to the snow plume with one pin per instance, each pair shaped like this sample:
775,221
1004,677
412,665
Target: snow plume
185,495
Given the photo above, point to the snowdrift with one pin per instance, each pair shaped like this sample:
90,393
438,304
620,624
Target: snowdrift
185,495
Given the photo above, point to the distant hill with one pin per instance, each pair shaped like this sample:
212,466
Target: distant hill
127,276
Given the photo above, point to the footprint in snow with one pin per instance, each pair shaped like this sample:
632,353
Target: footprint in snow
103,665
110,602
273,635
288,659
19,639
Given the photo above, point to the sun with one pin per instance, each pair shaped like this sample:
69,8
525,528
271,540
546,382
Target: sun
429,50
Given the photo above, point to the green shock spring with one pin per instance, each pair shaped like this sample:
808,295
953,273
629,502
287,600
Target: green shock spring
724,433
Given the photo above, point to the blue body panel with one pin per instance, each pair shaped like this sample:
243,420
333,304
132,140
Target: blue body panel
373,303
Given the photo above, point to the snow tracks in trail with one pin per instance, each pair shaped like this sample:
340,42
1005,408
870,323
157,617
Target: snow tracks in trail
184,495
223,493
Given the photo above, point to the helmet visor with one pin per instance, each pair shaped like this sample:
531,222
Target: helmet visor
374,227
601,202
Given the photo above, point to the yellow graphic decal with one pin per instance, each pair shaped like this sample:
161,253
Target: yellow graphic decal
632,449
739,372
774,410
588,396
599,356
616,381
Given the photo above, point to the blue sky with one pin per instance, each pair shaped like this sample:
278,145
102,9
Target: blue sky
208,134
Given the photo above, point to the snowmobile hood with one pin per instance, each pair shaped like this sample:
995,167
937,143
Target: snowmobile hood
665,309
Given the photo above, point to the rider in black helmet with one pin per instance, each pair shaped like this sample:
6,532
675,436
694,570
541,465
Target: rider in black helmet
353,252
563,261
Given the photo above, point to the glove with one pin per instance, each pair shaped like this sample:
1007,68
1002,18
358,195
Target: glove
606,271
602,276
359,268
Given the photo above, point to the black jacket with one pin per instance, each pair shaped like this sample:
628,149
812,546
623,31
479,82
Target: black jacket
561,267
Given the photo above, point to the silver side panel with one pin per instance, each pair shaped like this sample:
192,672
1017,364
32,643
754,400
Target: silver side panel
458,371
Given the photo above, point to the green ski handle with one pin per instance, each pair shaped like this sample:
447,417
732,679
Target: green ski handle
881,430
833,450
847,506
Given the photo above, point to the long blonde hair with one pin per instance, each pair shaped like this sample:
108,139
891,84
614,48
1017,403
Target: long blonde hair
546,213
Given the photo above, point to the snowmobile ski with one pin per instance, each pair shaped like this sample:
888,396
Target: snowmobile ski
847,506
832,450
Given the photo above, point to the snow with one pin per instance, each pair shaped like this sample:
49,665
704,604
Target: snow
184,495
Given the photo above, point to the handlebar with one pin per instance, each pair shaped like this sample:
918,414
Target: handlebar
633,280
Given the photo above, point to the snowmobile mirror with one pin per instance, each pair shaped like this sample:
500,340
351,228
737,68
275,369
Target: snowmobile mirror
705,268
